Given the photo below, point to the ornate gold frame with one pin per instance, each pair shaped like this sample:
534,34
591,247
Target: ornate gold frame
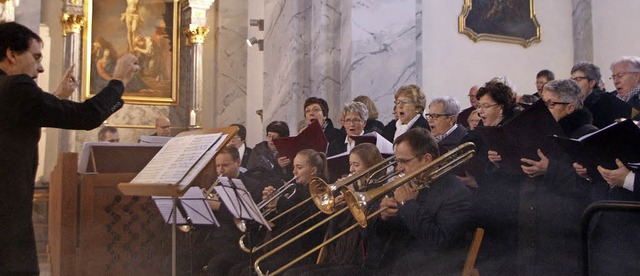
473,35
87,47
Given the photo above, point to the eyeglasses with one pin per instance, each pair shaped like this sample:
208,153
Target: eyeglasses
485,106
551,104
436,116
404,161
352,121
471,96
619,75
577,79
314,110
403,101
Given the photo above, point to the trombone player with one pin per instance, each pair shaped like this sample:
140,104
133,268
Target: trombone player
217,248
421,230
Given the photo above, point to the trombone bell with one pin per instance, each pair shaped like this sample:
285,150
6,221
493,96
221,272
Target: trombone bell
424,175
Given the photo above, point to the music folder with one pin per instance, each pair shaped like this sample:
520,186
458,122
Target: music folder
192,209
311,137
619,140
522,136
238,200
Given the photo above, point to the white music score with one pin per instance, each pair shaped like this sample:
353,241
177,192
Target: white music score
178,161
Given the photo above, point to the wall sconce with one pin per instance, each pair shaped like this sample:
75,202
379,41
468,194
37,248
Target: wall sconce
257,22
253,41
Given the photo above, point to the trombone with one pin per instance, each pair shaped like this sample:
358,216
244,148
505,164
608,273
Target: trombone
208,195
282,191
358,201
322,193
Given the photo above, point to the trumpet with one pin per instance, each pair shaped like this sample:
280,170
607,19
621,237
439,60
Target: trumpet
322,193
208,195
282,191
358,201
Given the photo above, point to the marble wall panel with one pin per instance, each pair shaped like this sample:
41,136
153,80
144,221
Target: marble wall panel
231,63
385,49
582,31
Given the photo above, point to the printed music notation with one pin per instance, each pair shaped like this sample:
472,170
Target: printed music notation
178,161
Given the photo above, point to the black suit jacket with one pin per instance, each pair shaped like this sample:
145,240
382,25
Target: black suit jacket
245,156
463,117
426,234
25,108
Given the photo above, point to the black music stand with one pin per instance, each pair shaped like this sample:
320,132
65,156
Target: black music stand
240,203
190,209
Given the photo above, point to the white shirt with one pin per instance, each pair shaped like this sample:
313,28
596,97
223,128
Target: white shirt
352,144
402,128
628,181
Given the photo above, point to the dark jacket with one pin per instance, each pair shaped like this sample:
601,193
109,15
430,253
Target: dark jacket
329,131
25,109
453,139
426,235
605,108
534,222
263,164
633,101
390,129
245,156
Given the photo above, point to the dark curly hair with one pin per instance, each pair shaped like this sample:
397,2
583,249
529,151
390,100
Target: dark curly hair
501,94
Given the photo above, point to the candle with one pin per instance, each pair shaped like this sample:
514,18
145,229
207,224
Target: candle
192,118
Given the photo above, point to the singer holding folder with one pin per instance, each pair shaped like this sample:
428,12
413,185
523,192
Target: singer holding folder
541,230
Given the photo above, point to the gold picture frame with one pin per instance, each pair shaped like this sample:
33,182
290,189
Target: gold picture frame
147,28
510,21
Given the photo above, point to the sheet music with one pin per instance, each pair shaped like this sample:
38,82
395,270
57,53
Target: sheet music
194,204
239,201
176,159
198,167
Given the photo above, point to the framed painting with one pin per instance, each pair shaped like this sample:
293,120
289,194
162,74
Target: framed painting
146,28
511,21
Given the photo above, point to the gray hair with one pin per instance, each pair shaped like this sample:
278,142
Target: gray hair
591,71
450,104
356,107
632,61
568,91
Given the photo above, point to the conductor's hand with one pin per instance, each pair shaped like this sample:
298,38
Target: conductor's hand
494,157
266,193
536,167
581,171
68,83
615,177
283,161
126,67
392,211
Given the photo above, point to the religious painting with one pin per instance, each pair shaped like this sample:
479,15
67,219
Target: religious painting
511,21
146,28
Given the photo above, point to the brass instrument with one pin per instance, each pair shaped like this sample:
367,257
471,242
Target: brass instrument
282,191
358,201
208,195
322,193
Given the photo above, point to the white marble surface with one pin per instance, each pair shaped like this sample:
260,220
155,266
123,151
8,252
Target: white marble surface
385,51
231,63
338,50
582,31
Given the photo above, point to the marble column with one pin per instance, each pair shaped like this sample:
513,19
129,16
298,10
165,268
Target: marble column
72,23
582,31
194,28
